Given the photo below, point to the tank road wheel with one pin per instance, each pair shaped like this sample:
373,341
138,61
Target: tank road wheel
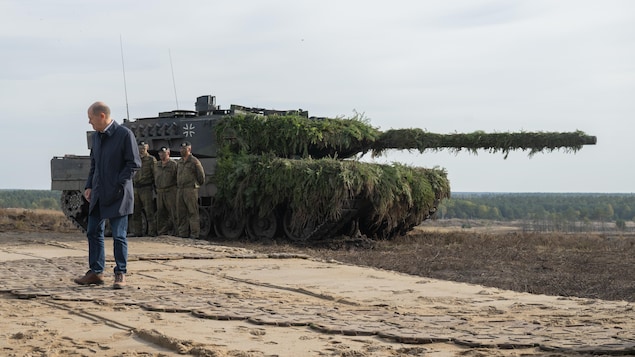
205,222
350,229
296,233
75,207
262,227
229,226
373,230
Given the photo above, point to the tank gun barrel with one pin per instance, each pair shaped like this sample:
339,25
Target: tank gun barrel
535,142
290,136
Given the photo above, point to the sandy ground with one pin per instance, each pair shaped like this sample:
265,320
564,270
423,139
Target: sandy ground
188,297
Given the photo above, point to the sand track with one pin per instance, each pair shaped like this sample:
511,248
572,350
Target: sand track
198,298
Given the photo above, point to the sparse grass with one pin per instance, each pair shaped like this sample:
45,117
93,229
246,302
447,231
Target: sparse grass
589,266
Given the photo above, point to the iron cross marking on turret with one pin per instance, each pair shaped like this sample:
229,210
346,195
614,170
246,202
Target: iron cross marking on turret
188,130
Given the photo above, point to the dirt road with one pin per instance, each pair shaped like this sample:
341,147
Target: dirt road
189,297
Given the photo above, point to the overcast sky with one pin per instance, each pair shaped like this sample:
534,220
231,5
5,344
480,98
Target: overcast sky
443,66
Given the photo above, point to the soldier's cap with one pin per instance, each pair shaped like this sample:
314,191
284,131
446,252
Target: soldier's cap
185,144
142,143
164,149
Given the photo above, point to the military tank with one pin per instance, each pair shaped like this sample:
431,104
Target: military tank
283,173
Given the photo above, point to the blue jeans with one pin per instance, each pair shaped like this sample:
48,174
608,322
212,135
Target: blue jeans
96,251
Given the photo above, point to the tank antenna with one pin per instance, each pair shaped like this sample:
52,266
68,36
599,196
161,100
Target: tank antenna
125,87
173,81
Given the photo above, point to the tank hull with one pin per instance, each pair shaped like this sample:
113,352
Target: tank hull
283,219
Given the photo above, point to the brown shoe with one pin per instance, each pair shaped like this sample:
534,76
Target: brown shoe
120,281
90,278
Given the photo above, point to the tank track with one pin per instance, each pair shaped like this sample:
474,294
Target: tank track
346,224
345,230
330,229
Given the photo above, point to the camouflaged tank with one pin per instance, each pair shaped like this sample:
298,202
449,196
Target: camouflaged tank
272,173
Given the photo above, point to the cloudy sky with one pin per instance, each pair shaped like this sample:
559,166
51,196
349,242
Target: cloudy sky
443,66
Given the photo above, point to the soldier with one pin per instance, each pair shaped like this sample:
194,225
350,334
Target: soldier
143,193
190,176
165,181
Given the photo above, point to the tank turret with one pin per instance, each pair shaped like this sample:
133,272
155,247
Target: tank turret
281,173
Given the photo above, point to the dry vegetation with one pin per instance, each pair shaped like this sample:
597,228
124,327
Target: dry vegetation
543,263
26,220
585,265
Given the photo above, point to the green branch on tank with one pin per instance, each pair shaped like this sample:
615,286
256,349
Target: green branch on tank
535,142
258,168
293,135
317,189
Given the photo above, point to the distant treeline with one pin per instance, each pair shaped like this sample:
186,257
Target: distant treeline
30,199
604,207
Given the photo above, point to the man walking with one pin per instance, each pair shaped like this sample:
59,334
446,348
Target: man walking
165,181
143,183
189,177
114,159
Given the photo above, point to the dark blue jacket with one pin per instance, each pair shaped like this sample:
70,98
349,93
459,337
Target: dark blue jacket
114,159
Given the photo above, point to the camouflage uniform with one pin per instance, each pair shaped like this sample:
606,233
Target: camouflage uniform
143,182
190,176
165,181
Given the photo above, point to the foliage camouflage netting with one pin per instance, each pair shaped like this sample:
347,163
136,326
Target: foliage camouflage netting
318,189
256,171
535,142
294,135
